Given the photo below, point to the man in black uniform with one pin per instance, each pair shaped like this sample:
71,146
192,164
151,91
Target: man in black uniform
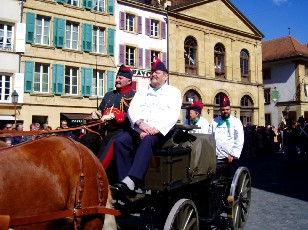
113,109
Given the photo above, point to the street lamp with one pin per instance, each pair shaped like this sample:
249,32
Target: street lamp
15,101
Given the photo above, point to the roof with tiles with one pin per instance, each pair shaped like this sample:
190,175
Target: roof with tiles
282,48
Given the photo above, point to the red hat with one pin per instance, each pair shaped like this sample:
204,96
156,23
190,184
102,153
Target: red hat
197,106
125,72
224,102
158,65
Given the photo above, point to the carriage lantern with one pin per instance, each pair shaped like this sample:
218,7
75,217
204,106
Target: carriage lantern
14,102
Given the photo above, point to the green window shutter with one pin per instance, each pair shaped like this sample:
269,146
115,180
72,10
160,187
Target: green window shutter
29,69
87,37
110,80
87,4
111,7
57,79
111,41
30,27
86,81
61,1
59,30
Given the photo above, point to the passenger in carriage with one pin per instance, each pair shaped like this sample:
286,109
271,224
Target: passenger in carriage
115,103
113,108
229,135
196,119
153,113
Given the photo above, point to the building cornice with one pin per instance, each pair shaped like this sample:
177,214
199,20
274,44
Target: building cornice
143,6
175,12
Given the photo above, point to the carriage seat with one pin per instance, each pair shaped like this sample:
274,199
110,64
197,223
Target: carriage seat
177,142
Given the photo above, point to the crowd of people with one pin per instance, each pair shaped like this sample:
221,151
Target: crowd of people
11,141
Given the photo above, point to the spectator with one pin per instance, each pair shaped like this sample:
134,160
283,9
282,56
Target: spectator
18,139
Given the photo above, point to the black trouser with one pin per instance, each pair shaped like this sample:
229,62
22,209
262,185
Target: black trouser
231,167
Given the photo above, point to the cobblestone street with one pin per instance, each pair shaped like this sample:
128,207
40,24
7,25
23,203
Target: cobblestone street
279,198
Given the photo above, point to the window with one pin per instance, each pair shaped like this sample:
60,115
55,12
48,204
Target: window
246,101
41,79
98,40
219,60
42,30
266,73
73,2
244,66
218,98
268,119
99,5
130,22
190,96
71,80
267,95
71,35
190,51
130,56
154,28
98,83
306,70
6,35
153,54
5,88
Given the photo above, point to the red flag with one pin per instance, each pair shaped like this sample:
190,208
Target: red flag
155,61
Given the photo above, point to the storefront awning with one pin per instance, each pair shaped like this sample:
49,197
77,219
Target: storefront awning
76,117
7,118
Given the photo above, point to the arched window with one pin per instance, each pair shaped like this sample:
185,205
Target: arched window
246,110
219,60
244,62
190,55
246,101
191,95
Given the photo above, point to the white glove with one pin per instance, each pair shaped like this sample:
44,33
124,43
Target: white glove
97,114
108,117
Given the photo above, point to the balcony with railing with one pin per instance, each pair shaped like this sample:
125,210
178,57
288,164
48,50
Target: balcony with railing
6,47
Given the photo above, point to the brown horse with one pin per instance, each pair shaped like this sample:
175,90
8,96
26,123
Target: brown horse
51,175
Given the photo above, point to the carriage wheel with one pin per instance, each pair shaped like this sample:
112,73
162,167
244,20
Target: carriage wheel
183,215
239,198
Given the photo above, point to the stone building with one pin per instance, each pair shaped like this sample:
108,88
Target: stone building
11,45
285,78
215,50
68,63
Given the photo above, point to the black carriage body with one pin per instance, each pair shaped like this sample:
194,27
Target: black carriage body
172,177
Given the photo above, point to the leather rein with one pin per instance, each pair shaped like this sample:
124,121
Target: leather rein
6,221
15,133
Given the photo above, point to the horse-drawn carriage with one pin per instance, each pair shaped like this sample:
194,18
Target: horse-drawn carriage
184,187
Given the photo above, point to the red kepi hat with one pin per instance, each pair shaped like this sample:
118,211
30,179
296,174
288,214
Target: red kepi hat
224,102
158,65
197,106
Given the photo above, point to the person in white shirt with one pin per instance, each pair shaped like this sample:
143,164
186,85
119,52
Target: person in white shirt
196,119
153,112
229,136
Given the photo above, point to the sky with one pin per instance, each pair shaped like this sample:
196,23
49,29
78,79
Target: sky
274,17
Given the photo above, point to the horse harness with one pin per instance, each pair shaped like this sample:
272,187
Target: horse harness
6,221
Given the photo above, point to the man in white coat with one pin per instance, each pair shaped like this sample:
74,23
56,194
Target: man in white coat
153,112
196,118
229,136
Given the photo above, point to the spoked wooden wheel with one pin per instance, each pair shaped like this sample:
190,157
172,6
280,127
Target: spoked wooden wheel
239,198
183,216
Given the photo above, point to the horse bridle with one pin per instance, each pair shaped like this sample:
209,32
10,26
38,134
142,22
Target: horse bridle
6,221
